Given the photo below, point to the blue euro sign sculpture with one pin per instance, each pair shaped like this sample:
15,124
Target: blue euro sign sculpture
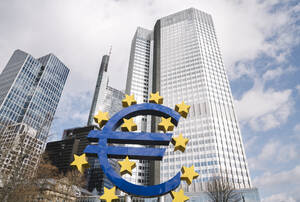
109,135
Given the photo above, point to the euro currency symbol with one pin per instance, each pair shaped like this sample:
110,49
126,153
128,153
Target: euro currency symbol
109,135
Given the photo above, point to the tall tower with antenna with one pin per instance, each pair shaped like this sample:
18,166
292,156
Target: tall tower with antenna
106,98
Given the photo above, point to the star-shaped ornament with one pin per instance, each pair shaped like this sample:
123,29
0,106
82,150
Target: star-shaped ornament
188,174
80,162
179,196
165,124
128,101
156,98
180,143
101,118
128,125
182,109
109,194
126,166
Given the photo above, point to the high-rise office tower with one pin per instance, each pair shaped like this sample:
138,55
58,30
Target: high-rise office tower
181,59
190,67
30,90
106,98
138,80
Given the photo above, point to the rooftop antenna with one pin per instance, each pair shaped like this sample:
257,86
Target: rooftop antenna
110,51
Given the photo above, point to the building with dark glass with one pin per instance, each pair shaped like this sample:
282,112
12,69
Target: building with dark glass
61,154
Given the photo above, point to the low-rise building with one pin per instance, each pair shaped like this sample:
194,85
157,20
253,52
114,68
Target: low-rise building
49,190
20,152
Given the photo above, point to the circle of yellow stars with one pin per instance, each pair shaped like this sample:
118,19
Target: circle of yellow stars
126,166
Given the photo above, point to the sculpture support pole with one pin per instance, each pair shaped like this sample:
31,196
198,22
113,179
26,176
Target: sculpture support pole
161,199
127,198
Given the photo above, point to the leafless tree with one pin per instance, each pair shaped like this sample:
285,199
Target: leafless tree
16,181
48,185
44,172
15,175
72,180
220,190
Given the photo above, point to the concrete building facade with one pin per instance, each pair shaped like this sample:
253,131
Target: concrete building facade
20,152
182,60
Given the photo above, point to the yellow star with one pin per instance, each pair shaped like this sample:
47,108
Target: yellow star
179,196
101,118
188,174
180,142
128,101
165,124
156,98
80,162
182,109
109,194
126,166
128,125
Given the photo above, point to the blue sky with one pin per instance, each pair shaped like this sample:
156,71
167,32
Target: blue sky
260,45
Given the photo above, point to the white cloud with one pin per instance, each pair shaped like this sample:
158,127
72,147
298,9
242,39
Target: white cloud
71,112
271,74
286,183
298,88
287,153
297,127
241,69
264,109
80,32
269,150
274,153
296,132
282,197
248,144
276,73
74,107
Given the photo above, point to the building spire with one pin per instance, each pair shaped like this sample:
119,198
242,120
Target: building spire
110,49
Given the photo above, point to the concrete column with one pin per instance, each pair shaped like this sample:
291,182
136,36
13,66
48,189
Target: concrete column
127,198
161,199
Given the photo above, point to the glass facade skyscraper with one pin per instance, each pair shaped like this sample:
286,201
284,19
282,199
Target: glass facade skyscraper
106,98
30,90
181,59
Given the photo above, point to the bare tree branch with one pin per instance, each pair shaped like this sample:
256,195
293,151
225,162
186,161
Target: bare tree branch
220,190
